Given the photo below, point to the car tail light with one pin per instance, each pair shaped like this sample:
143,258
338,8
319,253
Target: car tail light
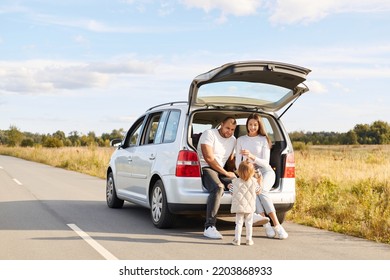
187,164
289,166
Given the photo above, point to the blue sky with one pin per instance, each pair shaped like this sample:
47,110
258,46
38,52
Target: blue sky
92,65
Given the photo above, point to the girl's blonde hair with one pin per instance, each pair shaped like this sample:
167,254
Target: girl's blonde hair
245,170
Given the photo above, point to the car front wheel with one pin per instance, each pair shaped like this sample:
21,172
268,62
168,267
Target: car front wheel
161,216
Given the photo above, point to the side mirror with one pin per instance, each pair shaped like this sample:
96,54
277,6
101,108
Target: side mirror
115,142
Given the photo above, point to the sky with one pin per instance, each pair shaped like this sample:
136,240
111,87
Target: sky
96,66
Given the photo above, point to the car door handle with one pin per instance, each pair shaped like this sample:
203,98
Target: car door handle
152,157
129,159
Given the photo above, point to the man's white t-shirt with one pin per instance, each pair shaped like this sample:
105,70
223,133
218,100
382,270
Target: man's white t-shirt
222,147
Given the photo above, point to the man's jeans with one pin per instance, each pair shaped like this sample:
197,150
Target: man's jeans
215,184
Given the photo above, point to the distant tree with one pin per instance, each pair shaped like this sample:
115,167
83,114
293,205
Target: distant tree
15,136
52,142
27,142
350,138
88,140
59,135
3,137
117,133
380,132
74,138
68,143
36,137
362,132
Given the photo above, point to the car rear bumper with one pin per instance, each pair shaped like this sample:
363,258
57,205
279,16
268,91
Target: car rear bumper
176,208
186,196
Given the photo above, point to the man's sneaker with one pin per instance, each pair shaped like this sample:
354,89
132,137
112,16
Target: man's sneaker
236,242
269,230
281,232
212,232
250,242
259,220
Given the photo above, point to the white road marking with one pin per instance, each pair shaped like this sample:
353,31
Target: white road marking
99,248
17,181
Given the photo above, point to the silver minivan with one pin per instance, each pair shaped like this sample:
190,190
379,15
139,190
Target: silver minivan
156,164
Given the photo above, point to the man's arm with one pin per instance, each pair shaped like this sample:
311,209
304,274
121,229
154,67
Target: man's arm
208,156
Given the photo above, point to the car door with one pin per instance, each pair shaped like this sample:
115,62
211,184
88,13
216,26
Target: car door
143,158
264,85
125,184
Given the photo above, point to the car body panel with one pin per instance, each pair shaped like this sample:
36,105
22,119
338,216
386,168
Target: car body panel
256,84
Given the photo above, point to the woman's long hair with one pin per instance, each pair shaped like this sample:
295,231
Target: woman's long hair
261,131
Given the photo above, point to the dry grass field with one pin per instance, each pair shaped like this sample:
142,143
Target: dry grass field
339,188
344,189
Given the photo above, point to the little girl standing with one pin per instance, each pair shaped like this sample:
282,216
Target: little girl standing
244,191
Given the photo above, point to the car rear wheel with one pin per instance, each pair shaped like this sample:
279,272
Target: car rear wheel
161,216
281,216
112,199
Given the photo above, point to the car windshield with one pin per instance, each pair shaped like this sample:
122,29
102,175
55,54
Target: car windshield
240,91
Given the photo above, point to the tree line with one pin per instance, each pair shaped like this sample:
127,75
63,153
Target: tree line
376,133
14,137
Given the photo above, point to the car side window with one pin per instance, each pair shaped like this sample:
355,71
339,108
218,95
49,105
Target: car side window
133,135
171,128
154,128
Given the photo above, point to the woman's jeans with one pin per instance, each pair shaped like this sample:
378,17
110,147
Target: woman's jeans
264,203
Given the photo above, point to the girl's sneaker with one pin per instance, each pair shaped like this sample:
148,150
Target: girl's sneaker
250,242
269,230
281,232
236,242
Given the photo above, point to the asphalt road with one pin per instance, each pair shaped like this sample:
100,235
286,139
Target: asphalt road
48,213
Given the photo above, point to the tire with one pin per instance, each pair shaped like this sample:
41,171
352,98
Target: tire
281,216
112,199
159,211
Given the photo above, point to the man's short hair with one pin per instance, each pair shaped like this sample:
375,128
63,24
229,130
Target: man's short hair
233,120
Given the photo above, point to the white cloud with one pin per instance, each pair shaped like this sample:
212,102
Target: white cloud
99,26
227,7
289,11
295,11
237,8
43,76
341,87
316,86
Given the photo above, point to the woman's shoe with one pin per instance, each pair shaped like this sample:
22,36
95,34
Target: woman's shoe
269,230
281,232
259,220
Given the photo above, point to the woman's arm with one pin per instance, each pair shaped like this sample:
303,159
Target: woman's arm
259,161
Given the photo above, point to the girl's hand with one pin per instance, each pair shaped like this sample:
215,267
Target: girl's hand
259,178
247,154
230,188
